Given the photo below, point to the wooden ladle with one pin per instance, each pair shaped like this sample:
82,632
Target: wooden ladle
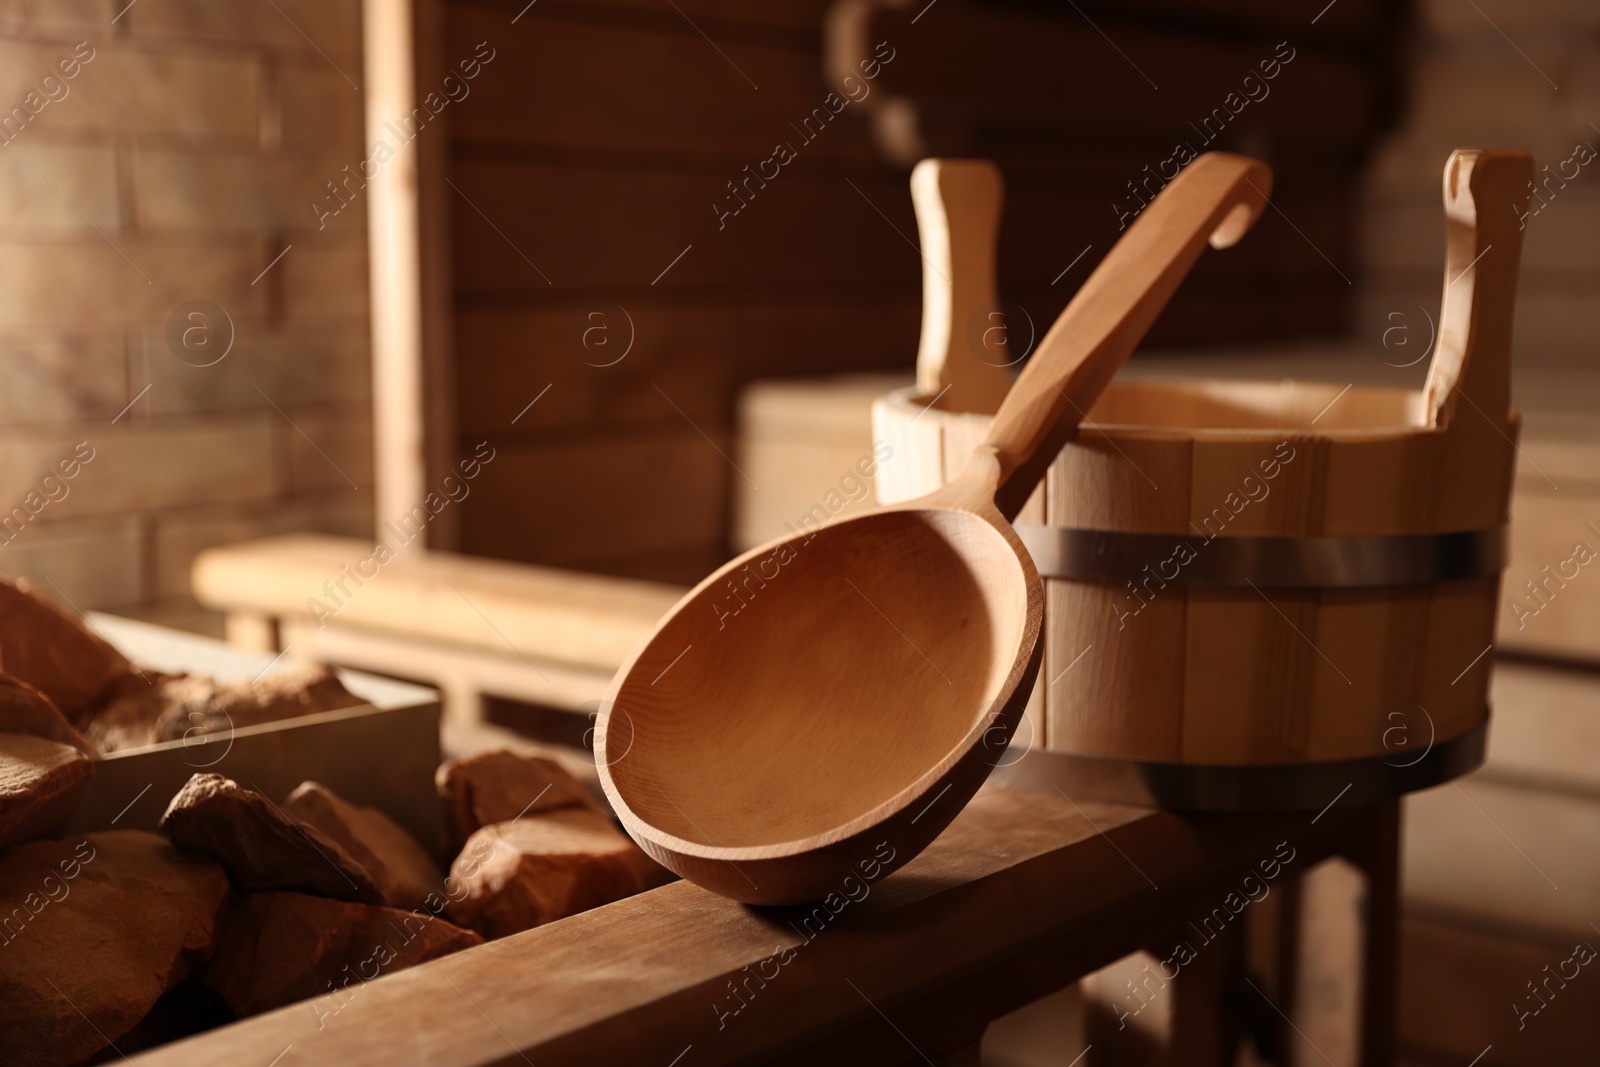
810,716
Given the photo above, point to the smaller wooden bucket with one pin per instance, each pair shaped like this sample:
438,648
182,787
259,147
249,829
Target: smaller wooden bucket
1273,595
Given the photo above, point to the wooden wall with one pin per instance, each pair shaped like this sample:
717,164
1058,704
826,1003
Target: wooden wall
588,158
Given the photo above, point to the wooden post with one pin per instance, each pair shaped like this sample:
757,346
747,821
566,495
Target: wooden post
1381,964
1143,1012
1337,981
251,631
407,229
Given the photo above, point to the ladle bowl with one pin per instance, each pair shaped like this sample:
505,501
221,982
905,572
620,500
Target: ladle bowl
760,725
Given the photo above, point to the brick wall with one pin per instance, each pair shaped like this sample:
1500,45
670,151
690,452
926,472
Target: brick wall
177,162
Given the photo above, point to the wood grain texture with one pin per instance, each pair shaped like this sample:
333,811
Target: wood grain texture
412,403
1011,63
883,697
1459,980
678,966
963,354
583,620
1222,675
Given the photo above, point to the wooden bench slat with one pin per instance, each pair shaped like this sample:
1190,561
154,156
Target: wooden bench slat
508,608
1015,871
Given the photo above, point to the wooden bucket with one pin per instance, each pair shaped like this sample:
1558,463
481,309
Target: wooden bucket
1275,594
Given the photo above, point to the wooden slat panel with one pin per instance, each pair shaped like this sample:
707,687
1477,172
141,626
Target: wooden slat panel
1544,728
1560,616
1232,708
1112,702
831,235
1500,851
695,352
1033,62
798,231
568,503
575,85
1458,986
734,15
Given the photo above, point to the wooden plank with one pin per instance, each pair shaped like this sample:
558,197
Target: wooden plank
732,15
560,994
1233,711
464,674
1117,700
1378,857
454,601
824,228
1137,1017
833,235
589,84
1012,59
635,490
1499,851
609,363
1460,985
1326,1014
398,727
131,789
1359,17
1549,605
400,311
436,214
1544,730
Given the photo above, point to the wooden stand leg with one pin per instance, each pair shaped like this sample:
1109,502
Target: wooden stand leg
1153,1009
463,701
1381,979
250,632
1337,986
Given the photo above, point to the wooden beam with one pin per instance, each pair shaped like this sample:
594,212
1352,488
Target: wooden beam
454,602
1021,895
408,264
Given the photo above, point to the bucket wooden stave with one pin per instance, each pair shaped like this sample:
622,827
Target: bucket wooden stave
1266,594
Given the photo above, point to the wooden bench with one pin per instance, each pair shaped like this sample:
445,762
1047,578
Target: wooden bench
1024,894
468,626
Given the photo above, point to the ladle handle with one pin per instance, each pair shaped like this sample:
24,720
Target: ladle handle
1217,198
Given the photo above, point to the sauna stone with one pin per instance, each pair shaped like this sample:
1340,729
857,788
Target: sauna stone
513,876
498,786
54,652
41,782
260,846
25,710
278,948
403,871
101,924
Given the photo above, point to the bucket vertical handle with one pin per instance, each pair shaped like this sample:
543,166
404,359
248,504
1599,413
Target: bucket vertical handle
958,220
1485,207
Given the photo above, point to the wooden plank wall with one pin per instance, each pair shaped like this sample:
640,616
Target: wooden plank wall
589,155
597,141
